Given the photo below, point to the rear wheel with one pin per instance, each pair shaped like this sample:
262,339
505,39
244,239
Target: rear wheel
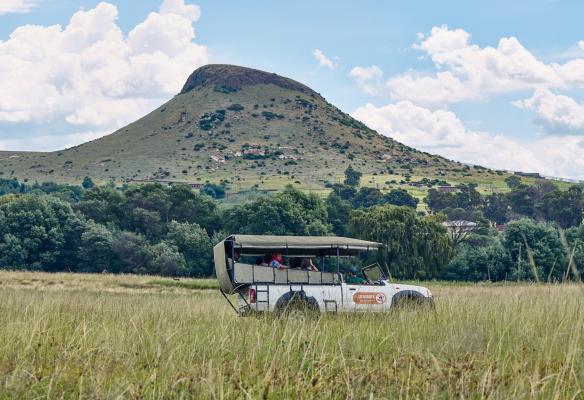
297,309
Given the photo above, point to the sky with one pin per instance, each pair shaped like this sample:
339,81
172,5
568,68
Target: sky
494,83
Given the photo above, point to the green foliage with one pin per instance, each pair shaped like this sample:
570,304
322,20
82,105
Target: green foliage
11,186
194,244
400,197
290,212
236,107
368,197
211,120
87,183
95,248
563,207
268,115
352,177
167,260
513,181
35,232
535,249
414,247
132,253
472,262
213,190
339,212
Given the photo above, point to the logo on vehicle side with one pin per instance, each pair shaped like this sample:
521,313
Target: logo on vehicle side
369,298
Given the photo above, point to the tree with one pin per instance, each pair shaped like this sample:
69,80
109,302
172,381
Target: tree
513,181
213,190
132,253
563,207
522,200
438,201
167,260
339,212
352,177
344,192
400,197
496,208
290,212
194,244
95,248
414,247
38,232
479,263
87,183
368,197
535,249
103,205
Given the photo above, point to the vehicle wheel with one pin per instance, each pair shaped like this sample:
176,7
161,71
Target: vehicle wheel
412,301
298,310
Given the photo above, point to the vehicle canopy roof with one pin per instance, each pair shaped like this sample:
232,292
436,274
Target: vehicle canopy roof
301,244
288,245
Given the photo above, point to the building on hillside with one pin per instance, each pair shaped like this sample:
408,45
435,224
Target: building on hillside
459,230
447,188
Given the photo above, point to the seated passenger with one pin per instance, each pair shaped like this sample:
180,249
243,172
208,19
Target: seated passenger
307,265
352,277
276,261
260,261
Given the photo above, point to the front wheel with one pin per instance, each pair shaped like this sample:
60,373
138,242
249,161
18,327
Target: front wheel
412,301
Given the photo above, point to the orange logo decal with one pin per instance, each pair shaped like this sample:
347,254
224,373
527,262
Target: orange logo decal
369,298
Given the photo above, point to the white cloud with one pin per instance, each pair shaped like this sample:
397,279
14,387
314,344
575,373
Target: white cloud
189,11
17,6
89,74
442,132
46,142
368,78
465,71
555,113
323,60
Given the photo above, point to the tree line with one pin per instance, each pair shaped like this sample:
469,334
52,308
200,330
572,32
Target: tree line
170,230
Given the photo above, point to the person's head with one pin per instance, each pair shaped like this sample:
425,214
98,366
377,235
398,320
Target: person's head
277,257
353,271
306,263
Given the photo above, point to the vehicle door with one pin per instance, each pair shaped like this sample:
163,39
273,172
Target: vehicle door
367,297
372,296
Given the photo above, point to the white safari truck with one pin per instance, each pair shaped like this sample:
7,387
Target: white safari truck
243,268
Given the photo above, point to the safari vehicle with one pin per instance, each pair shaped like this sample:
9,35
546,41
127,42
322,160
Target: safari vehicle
241,271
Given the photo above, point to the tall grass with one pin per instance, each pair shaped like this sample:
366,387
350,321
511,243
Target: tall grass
483,341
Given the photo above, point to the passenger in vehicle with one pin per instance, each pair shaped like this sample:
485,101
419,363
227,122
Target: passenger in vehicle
307,265
277,261
352,277
260,261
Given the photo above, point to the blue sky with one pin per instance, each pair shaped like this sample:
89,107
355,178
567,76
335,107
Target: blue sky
496,83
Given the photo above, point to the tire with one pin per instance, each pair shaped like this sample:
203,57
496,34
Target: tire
411,300
297,307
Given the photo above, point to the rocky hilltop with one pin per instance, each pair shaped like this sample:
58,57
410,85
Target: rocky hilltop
232,78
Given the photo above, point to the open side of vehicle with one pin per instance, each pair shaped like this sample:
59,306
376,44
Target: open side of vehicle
243,268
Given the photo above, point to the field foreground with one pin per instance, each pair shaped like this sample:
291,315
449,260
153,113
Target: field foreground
98,336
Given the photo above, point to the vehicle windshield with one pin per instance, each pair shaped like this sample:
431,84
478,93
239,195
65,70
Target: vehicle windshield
373,273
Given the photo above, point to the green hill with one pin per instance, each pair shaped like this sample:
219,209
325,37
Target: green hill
246,127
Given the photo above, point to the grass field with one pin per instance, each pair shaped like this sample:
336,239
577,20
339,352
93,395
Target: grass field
103,336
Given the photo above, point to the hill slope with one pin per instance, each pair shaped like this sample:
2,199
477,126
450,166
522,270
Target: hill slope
244,126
